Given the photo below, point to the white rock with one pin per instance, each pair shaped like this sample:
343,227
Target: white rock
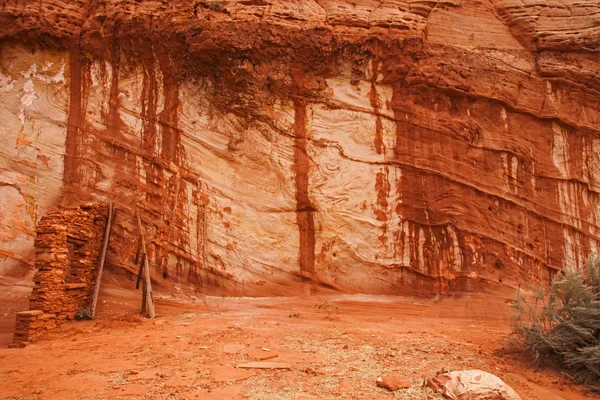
472,385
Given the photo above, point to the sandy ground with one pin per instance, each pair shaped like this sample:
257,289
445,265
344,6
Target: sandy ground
192,348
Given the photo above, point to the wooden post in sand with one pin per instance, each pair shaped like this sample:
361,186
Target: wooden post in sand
139,279
102,258
144,297
147,287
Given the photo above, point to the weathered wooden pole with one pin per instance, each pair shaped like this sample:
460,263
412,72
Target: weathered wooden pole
102,258
147,282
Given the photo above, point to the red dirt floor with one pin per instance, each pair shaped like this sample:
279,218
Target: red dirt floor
191,349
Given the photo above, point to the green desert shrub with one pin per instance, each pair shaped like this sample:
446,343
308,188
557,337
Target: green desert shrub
565,322
83,314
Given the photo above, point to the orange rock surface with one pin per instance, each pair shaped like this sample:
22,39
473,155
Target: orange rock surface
369,146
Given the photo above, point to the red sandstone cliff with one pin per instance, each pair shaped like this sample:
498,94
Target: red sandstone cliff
379,146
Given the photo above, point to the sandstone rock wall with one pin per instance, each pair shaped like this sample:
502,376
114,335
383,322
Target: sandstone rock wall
374,146
32,143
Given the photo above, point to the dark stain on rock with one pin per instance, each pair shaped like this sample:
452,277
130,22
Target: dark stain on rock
382,188
376,104
149,100
304,208
71,171
168,117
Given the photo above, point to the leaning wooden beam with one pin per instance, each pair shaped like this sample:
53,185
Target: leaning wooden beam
140,272
139,277
102,258
144,298
148,284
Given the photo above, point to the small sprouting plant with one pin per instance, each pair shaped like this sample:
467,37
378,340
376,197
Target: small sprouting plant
83,313
327,308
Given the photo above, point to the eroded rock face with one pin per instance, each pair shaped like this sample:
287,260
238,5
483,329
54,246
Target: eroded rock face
373,146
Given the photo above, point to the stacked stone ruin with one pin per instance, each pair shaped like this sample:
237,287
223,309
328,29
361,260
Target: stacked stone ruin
68,244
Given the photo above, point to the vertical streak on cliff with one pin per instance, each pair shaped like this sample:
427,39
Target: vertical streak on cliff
304,209
201,199
172,219
154,175
169,146
402,237
376,104
382,187
71,171
113,123
201,226
409,186
149,96
168,117
400,121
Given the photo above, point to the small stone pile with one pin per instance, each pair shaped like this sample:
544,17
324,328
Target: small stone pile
30,324
68,244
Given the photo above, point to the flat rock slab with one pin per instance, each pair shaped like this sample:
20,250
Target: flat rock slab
178,381
146,374
30,313
265,365
135,389
232,348
227,392
226,374
393,382
259,354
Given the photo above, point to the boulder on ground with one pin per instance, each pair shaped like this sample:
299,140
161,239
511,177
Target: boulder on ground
472,385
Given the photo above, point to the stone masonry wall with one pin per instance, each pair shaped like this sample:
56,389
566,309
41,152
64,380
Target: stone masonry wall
68,244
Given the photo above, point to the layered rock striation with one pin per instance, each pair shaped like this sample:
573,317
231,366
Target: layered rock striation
372,146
